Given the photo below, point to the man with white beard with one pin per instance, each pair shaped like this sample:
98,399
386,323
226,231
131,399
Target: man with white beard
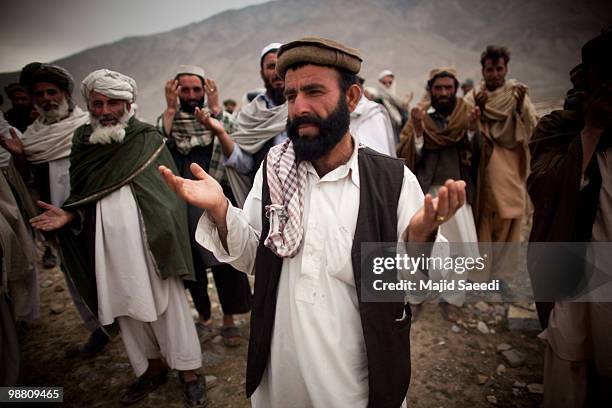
120,210
44,151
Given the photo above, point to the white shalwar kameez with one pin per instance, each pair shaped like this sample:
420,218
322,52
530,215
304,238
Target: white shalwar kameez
153,315
318,356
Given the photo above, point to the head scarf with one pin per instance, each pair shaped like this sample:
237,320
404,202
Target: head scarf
111,84
36,72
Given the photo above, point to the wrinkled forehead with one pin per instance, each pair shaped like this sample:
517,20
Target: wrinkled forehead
309,75
95,96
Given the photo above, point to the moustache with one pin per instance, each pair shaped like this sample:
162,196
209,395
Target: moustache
304,120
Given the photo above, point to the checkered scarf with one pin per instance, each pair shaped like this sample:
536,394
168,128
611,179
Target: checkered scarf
286,181
187,133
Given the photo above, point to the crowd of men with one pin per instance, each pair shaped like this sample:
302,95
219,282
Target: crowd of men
286,187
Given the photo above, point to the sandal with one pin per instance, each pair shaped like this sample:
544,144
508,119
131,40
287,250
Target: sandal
205,332
194,392
231,336
449,312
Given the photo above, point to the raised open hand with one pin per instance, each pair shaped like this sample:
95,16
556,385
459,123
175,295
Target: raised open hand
205,192
172,90
436,211
481,99
212,96
417,114
519,92
473,118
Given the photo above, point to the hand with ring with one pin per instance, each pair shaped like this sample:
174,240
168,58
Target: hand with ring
212,96
436,211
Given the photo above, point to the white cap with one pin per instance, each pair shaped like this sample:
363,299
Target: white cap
384,73
269,48
190,70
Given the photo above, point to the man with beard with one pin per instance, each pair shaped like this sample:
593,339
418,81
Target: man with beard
507,120
185,123
44,150
570,185
120,210
395,105
260,125
441,144
316,197
22,113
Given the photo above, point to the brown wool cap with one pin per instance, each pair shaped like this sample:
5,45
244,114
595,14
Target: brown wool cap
318,51
437,71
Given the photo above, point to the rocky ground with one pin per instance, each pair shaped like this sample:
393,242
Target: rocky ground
477,362
458,365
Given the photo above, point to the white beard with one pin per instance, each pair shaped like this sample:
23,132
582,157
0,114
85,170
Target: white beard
54,115
108,134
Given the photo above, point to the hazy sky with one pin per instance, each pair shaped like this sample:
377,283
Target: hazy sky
47,30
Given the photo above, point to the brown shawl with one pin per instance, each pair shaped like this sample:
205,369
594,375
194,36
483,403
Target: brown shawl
435,139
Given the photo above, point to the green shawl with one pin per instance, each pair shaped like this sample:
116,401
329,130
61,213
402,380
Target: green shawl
96,170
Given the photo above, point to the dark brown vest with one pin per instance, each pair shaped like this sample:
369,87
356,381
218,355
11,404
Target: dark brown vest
386,334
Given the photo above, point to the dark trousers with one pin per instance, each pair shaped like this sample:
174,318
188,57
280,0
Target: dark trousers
232,285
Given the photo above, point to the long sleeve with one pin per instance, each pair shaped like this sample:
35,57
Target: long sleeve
243,231
240,160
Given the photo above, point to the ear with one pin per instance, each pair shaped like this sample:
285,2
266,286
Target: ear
128,106
353,94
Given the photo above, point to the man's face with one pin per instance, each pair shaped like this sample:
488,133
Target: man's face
387,81
318,112
48,97
191,94
274,84
494,73
20,100
443,95
107,111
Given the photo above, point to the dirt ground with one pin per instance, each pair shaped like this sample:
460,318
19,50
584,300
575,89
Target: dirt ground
451,366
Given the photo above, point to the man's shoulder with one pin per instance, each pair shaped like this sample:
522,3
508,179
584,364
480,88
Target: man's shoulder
561,122
139,126
378,157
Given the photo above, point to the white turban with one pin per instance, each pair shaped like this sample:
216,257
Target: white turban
384,73
110,84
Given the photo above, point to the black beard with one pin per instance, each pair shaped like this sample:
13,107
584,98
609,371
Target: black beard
331,131
189,106
276,94
444,108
